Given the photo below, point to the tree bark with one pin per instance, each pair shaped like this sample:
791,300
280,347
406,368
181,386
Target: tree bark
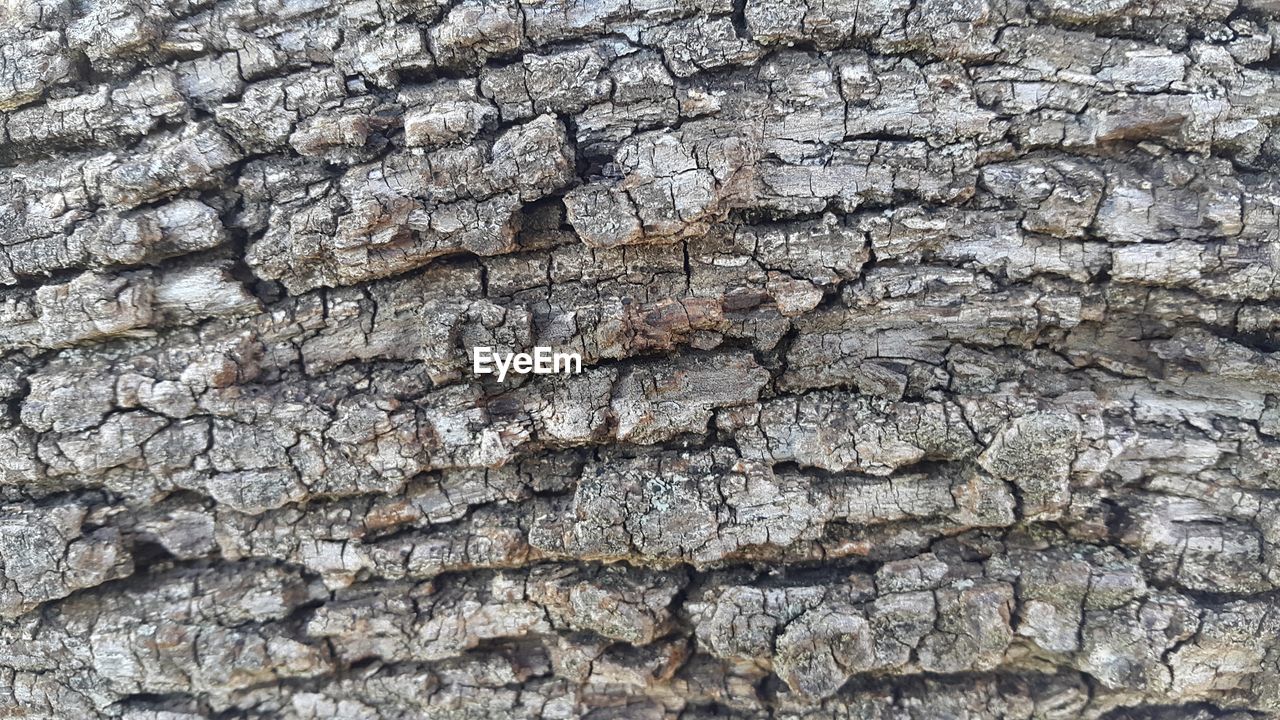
927,352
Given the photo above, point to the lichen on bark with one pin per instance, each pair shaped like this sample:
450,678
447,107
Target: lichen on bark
928,345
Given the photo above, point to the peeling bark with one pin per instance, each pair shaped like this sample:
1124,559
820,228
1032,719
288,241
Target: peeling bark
928,356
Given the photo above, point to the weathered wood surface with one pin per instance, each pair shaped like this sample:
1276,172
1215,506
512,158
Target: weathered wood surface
928,345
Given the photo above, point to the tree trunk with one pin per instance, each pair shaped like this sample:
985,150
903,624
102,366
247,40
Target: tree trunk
927,359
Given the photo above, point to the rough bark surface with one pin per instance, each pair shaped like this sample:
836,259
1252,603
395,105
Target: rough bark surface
928,353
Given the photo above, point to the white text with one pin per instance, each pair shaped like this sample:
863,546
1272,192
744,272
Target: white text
542,361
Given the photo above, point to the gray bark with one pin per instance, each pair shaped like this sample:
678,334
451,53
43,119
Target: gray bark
928,353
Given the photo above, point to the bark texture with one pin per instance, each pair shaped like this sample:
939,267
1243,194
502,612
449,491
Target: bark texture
928,353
